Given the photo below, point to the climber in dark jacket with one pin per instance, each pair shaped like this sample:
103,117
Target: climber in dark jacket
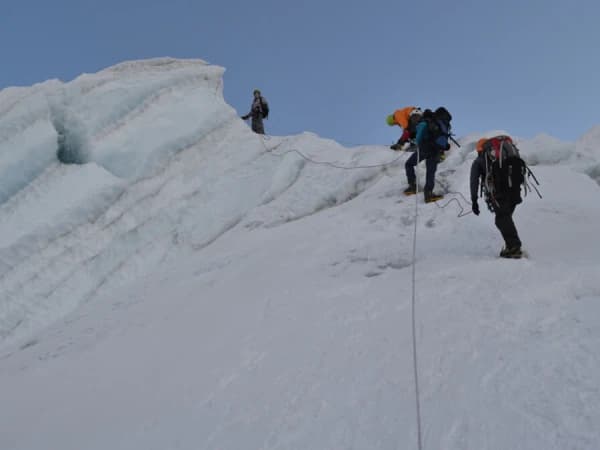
258,111
504,206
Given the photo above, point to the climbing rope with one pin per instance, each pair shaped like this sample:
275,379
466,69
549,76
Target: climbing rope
463,212
328,163
413,316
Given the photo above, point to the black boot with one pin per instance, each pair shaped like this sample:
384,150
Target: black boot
431,197
511,252
411,189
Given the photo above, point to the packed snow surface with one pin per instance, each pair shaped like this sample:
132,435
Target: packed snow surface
170,280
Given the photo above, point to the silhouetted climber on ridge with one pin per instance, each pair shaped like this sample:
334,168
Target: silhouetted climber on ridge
258,111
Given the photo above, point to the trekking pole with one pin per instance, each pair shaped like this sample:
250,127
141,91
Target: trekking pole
530,173
454,140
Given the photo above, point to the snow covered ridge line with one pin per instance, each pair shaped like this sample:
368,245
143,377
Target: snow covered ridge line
25,112
12,97
88,109
155,64
16,100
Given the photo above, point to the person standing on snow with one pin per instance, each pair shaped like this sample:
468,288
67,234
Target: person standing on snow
432,139
258,111
407,118
504,201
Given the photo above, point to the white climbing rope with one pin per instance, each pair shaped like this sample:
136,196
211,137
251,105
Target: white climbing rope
413,314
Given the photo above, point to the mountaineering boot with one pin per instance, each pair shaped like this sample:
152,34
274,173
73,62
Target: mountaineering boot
511,252
431,197
411,189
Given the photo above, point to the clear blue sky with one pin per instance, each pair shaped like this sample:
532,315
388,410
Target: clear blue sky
337,68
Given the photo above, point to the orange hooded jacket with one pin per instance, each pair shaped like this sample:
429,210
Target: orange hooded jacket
401,116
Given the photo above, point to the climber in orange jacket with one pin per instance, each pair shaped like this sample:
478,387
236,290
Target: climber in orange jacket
407,118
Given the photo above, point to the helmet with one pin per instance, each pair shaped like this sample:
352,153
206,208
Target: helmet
390,120
416,111
256,91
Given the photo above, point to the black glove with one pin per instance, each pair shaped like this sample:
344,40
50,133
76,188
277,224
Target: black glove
398,145
475,208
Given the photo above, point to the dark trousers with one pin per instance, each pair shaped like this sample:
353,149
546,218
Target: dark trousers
431,162
257,124
504,223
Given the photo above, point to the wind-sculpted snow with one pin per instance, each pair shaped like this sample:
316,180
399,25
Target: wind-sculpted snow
300,186
128,122
588,154
27,137
156,165
545,149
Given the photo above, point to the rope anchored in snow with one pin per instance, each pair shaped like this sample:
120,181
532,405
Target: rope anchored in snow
463,212
328,163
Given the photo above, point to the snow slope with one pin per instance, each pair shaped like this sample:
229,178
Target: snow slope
190,285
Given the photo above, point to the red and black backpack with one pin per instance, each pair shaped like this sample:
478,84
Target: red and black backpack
505,171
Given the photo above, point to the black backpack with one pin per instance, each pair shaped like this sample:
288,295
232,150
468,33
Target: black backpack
505,171
442,114
264,107
439,128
